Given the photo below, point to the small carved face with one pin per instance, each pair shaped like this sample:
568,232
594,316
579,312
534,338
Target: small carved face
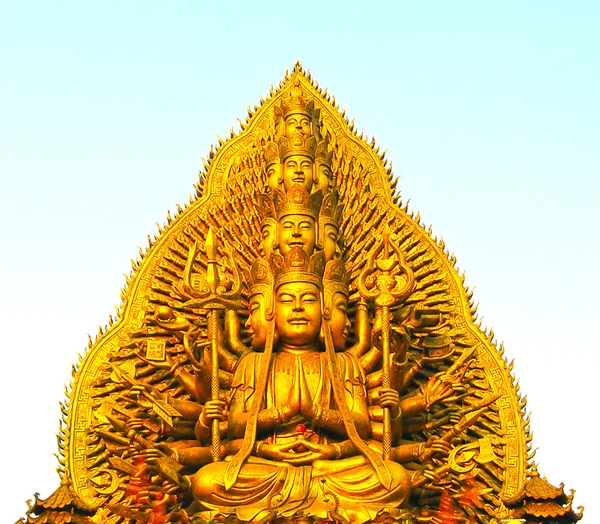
257,321
273,175
268,230
298,169
339,322
296,230
297,123
298,313
330,237
324,178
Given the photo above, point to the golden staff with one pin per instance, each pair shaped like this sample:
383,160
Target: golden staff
208,293
383,288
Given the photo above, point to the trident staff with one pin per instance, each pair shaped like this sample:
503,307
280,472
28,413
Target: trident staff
208,293
378,282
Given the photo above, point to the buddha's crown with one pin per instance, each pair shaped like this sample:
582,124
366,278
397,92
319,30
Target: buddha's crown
297,266
294,103
331,211
323,155
260,282
260,275
297,144
335,277
266,207
297,201
271,152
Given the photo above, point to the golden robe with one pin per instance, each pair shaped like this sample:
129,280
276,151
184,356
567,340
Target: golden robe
265,485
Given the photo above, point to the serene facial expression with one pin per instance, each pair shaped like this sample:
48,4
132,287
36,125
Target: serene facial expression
298,313
273,178
297,123
257,321
330,237
298,169
339,322
268,231
296,230
324,178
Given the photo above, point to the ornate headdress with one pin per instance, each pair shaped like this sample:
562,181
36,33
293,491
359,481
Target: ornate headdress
271,152
297,201
297,266
335,280
266,207
297,144
260,282
331,211
294,104
335,277
323,155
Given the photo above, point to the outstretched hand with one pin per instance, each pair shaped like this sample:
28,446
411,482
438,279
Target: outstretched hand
435,446
442,387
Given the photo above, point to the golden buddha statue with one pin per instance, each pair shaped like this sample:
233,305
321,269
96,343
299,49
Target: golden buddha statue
294,347
302,450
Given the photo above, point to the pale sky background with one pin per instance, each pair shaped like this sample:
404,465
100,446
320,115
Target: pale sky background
489,111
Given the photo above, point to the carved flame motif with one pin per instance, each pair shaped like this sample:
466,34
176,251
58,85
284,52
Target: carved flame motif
240,383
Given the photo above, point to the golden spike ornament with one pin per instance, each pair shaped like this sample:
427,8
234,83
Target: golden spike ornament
295,347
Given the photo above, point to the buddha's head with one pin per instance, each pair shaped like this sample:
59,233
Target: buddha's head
330,218
297,122
330,234
257,324
339,323
298,313
324,163
260,302
272,165
268,231
297,156
296,230
324,177
297,211
295,114
297,300
274,177
335,302
298,169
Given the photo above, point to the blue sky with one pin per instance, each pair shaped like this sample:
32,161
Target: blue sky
489,112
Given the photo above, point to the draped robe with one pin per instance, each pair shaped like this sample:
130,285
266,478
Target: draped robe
263,485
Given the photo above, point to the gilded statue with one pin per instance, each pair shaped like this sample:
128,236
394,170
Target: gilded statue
295,347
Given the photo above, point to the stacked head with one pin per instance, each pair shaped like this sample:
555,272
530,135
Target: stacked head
298,153
301,219
297,290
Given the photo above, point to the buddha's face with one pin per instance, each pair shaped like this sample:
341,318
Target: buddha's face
324,178
330,237
273,175
298,169
257,321
339,322
297,123
298,313
296,230
268,230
